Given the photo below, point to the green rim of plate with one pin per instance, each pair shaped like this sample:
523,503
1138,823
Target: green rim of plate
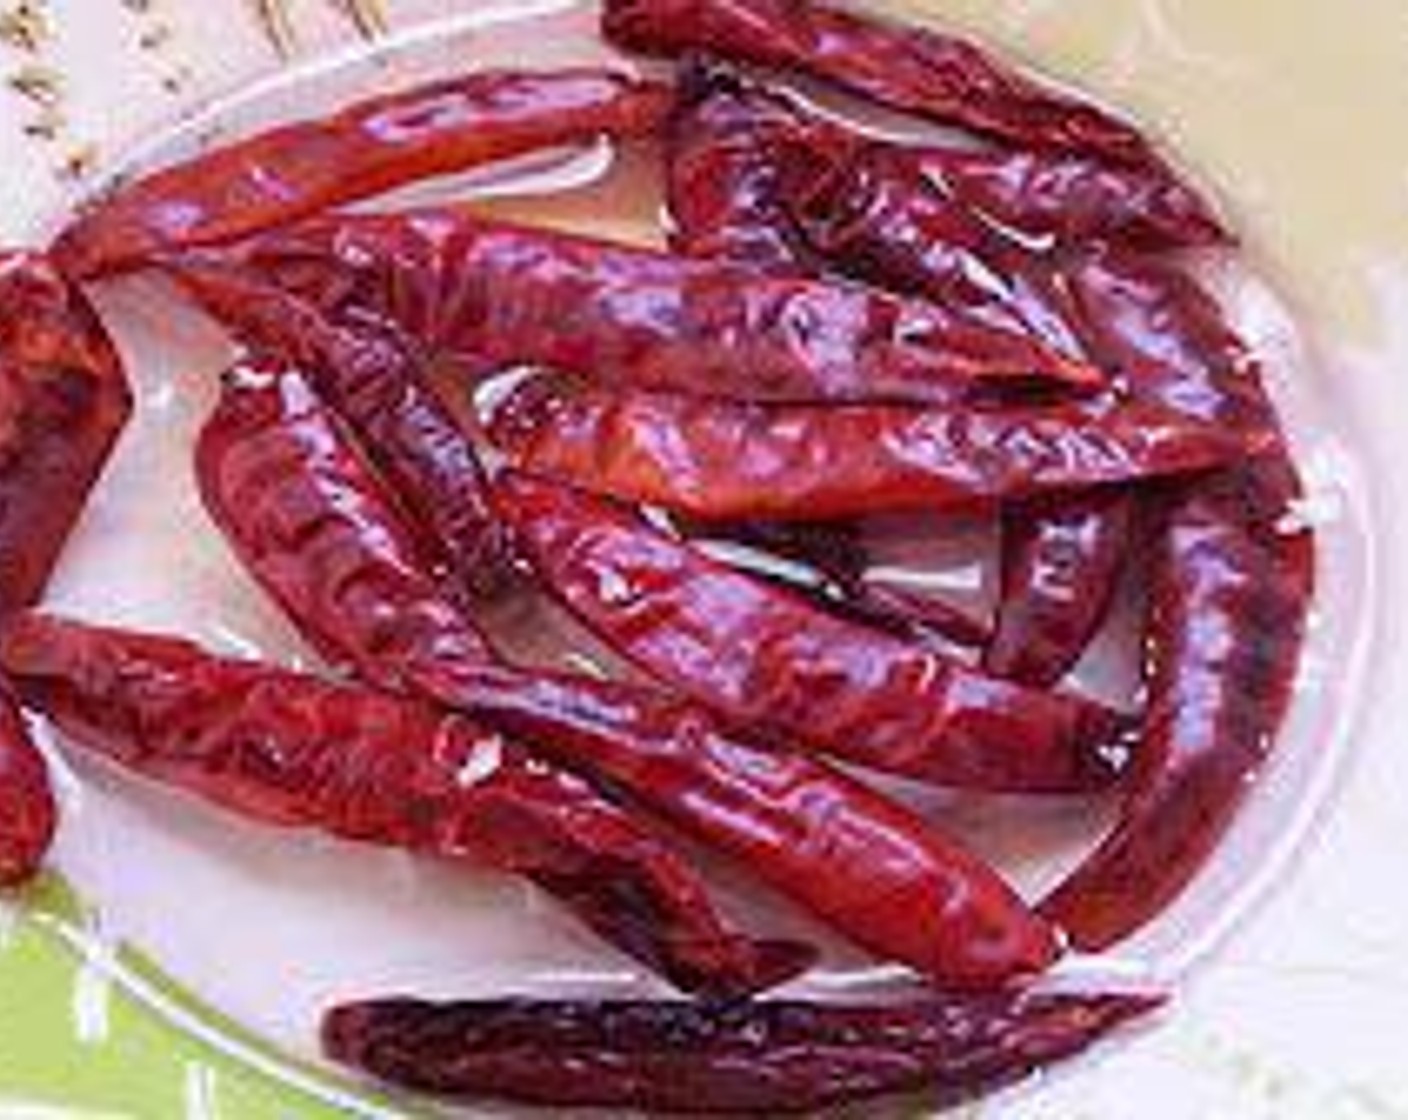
90,1029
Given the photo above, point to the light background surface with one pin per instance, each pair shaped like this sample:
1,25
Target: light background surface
1297,110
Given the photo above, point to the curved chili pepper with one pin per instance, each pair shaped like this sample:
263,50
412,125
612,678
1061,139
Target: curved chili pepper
1231,587
718,460
377,388
736,157
368,148
775,664
763,1058
636,317
312,524
28,814
291,750
884,219
916,69
64,400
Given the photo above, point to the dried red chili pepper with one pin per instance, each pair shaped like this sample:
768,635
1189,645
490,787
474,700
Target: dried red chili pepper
633,316
761,1058
378,389
64,400
311,523
291,750
28,814
368,148
884,219
1232,579
309,517
773,663
736,157
917,69
719,460
1061,565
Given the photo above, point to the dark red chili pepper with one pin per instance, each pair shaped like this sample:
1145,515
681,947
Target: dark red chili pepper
720,460
772,662
917,69
310,521
64,400
1232,579
378,389
636,317
885,220
1061,565
28,815
737,155
291,750
373,146
762,1058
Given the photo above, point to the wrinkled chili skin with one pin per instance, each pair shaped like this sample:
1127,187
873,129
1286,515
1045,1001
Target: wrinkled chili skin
1061,565
765,1058
916,69
871,870
320,536
273,463
1064,201
377,387
718,460
28,813
636,317
1062,558
736,157
1231,585
291,750
368,148
773,663
64,400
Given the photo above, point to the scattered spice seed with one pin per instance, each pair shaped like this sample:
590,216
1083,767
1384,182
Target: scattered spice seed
26,26
278,26
368,15
79,163
155,37
38,84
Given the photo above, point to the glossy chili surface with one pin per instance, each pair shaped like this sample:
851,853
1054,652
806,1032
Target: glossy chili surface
368,148
759,1059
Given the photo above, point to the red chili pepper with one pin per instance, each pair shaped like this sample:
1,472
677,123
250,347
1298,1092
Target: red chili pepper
636,317
28,814
737,155
718,460
1061,565
291,750
315,529
64,400
368,148
378,389
916,69
737,158
763,1058
1231,586
884,219
775,664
